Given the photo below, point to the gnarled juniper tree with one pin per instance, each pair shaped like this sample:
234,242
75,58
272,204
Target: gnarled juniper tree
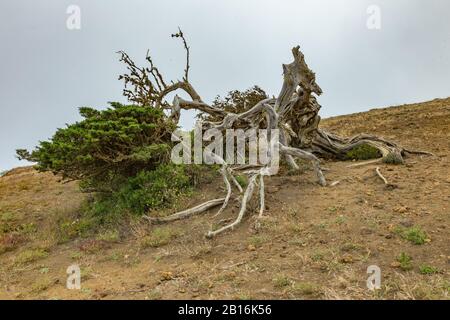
295,112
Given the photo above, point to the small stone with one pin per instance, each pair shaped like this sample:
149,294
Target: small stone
401,209
166,275
347,258
406,223
366,231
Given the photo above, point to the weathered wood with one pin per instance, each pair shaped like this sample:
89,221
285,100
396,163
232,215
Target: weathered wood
189,212
295,112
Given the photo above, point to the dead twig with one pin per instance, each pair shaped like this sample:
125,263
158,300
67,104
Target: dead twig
377,170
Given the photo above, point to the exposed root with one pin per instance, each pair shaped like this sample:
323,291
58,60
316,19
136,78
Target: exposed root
365,163
228,185
377,170
261,196
245,200
331,145
419,152
388,185
235,182
307,156
189,212
335,183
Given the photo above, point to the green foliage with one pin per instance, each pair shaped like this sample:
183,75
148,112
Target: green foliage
405,261
109,236
30,255
158,237
363,152
414,234
238,101
281,281
67,229
306,288
154,189
104,213
256,241
392,158
242,180
148,190
425,269
106,146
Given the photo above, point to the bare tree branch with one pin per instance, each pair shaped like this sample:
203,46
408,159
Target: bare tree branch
295,112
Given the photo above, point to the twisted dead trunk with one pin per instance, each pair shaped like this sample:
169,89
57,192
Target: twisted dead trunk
295,112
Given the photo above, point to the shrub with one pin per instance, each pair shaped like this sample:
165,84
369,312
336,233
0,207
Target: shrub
425,269
67,229
238,101
30,255
414,234
154,189
158,237
148,190
242,180
121,153
392,158
104,213
306,288
256,241
281,281
10,241
106,146
405,261
109,236
363,152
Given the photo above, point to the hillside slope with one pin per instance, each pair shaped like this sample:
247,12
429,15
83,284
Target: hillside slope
314,242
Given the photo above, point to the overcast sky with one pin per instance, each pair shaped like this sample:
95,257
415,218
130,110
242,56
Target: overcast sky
48,71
